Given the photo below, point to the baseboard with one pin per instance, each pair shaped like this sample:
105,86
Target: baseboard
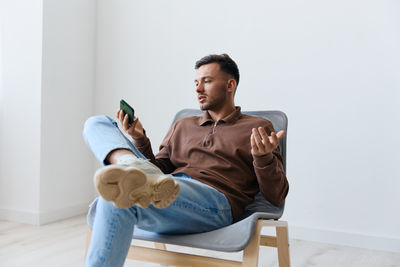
41,218
63,213
345,238
21,216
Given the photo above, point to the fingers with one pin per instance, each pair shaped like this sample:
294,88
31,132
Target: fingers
135,129
133,124
120,115
258,140
125,122
274,139
259,146
255,150
281,134
123,119
261,143
271,140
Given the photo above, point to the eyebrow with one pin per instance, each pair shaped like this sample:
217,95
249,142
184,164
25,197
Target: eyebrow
205,77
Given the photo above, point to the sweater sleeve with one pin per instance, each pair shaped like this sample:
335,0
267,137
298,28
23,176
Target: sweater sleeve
144,146
271,176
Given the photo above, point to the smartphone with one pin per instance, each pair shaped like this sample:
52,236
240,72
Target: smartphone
127,109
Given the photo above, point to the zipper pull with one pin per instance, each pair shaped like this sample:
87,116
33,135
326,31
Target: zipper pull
207,141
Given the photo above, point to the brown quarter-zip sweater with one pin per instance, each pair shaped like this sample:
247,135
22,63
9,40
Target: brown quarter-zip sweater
219,154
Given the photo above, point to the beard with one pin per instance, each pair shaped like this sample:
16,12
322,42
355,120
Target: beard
214,103
216,100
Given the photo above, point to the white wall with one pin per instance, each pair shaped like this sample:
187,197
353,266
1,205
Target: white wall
1,58
66,184
333,67
20,109
47,70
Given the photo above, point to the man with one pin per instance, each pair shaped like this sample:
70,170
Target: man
207,170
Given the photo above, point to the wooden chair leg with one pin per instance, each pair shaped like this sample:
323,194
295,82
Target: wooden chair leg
283,246
88,238
161,246
250,253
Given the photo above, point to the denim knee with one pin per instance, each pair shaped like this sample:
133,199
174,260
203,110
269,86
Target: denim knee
93,121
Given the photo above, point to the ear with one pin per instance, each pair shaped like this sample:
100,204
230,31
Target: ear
231,85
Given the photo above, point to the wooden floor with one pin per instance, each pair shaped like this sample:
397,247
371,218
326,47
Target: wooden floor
62,244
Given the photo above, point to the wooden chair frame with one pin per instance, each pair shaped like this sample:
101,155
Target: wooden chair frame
161,255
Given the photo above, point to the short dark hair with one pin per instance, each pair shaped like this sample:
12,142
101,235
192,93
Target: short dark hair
225,63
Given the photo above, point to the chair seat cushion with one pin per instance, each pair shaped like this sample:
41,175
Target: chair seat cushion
231,238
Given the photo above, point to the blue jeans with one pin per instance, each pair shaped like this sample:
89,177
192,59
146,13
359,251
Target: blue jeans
198,207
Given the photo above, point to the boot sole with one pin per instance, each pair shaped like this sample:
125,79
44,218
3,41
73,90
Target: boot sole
165,190
128,186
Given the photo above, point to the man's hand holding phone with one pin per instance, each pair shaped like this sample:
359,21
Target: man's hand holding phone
134,129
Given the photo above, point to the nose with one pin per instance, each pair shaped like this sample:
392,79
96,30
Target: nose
199,88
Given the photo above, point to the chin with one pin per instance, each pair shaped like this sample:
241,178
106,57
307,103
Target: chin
203,107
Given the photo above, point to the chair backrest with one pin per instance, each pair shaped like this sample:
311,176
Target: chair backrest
280,122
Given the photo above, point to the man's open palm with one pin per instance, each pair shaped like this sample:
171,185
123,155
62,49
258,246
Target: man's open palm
261,143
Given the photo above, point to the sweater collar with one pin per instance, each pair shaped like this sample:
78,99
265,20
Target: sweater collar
231,118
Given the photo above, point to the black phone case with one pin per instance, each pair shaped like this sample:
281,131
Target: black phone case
127,109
